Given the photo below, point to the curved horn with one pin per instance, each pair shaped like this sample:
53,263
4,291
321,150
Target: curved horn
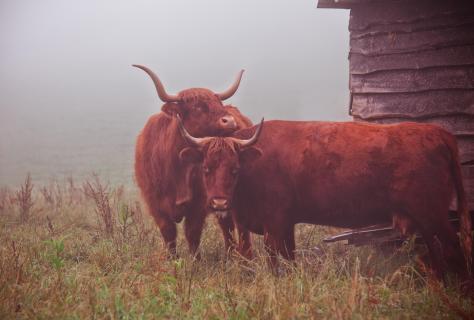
160,89
249,142
196,142
230,92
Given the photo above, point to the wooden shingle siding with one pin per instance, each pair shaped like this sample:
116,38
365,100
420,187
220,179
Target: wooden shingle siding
414,61
395,43
466,150
415,13
429,79
433,22
448,56
415,105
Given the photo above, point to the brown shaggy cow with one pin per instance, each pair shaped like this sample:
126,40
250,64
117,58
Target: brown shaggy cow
338,174
167,184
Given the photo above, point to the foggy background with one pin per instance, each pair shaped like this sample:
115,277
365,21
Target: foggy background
70,102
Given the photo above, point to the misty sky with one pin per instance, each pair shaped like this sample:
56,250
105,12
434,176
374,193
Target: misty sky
70,102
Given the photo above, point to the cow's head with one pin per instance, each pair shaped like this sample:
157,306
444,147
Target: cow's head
201,110
221,159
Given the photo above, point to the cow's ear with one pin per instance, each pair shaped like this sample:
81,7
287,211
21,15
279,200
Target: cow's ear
192,155
250,154
170,108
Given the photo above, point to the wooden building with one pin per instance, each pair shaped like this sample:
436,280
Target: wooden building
413,60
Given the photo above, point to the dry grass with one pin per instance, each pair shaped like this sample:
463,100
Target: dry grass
65,262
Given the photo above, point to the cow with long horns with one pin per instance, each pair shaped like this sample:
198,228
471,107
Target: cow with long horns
168,184
338,174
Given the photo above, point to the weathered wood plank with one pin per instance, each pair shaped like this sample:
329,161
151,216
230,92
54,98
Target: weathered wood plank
414,80
468,172
449,56
440,21
395,43
414,105
466,149
468,179
398,12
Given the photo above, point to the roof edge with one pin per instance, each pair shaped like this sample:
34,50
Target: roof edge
349,4
337,4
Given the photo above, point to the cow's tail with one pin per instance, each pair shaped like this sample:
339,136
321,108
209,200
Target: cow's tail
462,203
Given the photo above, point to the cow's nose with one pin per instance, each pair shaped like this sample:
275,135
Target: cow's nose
228,122
219,203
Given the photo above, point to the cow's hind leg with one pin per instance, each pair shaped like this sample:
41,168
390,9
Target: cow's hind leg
435,252
451,247
444,247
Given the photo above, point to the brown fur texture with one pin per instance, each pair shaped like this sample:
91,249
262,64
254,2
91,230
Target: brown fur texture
167,184
344,175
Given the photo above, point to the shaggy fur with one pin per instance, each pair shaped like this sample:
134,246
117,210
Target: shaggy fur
167,184
346,175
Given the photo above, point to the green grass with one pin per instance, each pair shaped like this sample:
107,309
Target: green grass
59,260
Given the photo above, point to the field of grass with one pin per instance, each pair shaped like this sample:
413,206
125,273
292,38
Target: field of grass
90,251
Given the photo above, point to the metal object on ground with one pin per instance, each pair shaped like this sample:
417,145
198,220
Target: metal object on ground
378,234
369,235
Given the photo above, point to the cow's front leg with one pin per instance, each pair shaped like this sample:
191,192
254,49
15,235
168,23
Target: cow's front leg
286,247
193,229
227,226
245,244
168,232
272,250
281,241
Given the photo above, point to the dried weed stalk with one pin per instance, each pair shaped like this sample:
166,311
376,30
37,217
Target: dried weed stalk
100,194
24,199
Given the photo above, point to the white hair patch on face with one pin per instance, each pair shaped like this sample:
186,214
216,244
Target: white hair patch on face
221,214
